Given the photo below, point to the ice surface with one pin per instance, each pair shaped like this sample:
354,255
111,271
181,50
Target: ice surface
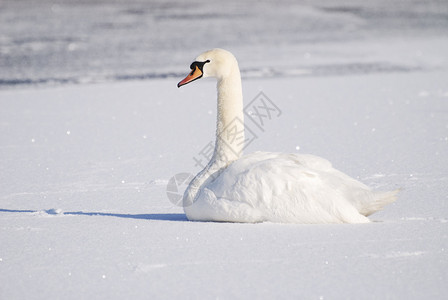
84,168
66,41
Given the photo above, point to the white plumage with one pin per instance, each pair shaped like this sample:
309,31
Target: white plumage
262,186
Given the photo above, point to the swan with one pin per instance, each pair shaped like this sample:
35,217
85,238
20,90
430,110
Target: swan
262,186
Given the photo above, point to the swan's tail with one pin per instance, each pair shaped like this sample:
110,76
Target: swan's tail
380,199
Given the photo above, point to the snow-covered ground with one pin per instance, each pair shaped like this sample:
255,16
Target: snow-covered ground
84,168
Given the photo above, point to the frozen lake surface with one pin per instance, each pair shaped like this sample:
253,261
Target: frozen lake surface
84,167
92,41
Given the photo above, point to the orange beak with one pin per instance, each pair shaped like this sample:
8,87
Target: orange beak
196,73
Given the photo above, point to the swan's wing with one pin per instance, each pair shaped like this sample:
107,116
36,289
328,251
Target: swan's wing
290,187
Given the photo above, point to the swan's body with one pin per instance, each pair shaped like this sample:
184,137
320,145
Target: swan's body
277,187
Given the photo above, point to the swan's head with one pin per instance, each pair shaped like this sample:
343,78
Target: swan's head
217,63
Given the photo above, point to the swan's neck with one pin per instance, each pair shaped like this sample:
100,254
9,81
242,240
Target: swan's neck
229,132
230,120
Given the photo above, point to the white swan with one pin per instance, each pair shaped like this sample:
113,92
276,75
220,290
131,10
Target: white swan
276,187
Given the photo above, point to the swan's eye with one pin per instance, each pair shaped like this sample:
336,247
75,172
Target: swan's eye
198,64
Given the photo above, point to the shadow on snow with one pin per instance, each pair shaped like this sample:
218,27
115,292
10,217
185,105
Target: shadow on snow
157,217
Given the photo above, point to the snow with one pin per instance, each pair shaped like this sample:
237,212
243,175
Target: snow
84,211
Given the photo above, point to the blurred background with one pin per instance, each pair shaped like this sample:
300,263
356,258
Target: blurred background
49,42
